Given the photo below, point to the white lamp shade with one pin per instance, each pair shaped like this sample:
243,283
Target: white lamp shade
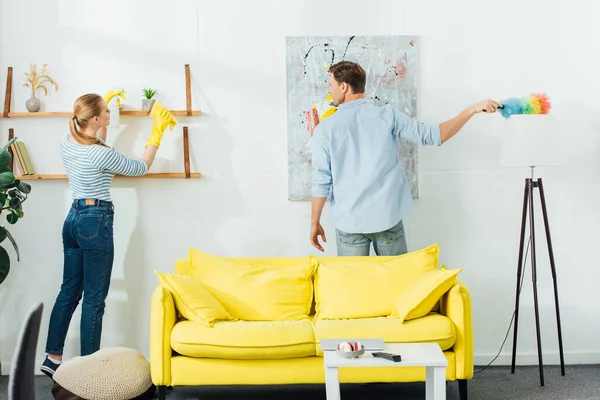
531,140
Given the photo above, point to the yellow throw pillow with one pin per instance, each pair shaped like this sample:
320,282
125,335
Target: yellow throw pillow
424,293
364,287
192,299
256,292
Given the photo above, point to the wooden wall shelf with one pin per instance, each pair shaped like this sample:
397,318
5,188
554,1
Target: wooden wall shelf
137,113
151,175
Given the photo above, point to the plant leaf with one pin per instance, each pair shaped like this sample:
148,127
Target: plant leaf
14,243
4,264
12,218
2,199
7,145
5,159
12,185
15,203
6,178
15,194
24,187
3,234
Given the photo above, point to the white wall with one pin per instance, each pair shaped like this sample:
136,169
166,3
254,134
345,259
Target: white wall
236,50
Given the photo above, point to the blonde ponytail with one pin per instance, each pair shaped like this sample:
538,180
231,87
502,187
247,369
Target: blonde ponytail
85,108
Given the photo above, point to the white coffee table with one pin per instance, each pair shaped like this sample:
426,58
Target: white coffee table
428,355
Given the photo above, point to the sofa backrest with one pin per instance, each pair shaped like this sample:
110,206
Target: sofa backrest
340,285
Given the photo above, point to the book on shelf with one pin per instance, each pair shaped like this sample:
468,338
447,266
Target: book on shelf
17,162
26,159
21,158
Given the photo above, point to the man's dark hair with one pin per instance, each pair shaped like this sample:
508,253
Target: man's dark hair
351,73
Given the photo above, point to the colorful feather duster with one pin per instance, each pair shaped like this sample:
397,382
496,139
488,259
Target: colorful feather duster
537,103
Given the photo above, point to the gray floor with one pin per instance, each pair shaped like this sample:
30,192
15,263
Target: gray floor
495,383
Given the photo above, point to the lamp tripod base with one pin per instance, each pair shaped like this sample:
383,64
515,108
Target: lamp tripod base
528,210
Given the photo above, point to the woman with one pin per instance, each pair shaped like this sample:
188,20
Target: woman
88,228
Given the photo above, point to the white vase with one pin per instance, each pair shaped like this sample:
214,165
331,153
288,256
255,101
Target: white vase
33,104
115,115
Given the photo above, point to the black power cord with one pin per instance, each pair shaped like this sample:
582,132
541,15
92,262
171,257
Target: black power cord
514,312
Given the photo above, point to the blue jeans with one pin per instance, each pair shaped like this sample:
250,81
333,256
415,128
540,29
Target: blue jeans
88,257
391,242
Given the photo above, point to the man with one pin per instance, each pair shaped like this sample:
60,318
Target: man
355,161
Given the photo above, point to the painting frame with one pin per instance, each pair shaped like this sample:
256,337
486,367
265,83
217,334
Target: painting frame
392,67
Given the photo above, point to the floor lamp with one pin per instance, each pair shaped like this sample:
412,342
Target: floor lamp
531,141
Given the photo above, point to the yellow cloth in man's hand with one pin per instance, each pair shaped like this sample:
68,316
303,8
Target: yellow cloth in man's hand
162,119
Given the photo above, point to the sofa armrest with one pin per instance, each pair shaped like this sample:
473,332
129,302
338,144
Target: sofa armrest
456,305
162,319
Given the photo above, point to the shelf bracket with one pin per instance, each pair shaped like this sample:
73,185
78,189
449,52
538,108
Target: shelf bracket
8,94
188,91
186,152
11,134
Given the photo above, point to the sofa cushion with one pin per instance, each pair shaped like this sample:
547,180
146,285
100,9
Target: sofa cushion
192,299
244,339
424,293
432,328
256,292
362,287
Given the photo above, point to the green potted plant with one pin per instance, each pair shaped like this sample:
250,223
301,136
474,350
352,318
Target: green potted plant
148,101
13,193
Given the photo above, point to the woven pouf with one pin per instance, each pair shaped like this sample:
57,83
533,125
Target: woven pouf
115,373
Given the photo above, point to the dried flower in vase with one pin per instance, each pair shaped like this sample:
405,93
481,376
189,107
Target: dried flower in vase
37,81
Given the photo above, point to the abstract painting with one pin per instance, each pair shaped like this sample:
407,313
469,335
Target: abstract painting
391,64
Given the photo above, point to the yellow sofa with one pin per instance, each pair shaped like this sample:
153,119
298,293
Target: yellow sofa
220,321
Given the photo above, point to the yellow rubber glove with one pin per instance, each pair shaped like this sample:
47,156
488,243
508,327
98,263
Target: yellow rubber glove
161,114
162,119
109,96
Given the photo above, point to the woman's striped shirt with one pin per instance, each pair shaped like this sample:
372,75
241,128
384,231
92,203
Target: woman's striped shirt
91,168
